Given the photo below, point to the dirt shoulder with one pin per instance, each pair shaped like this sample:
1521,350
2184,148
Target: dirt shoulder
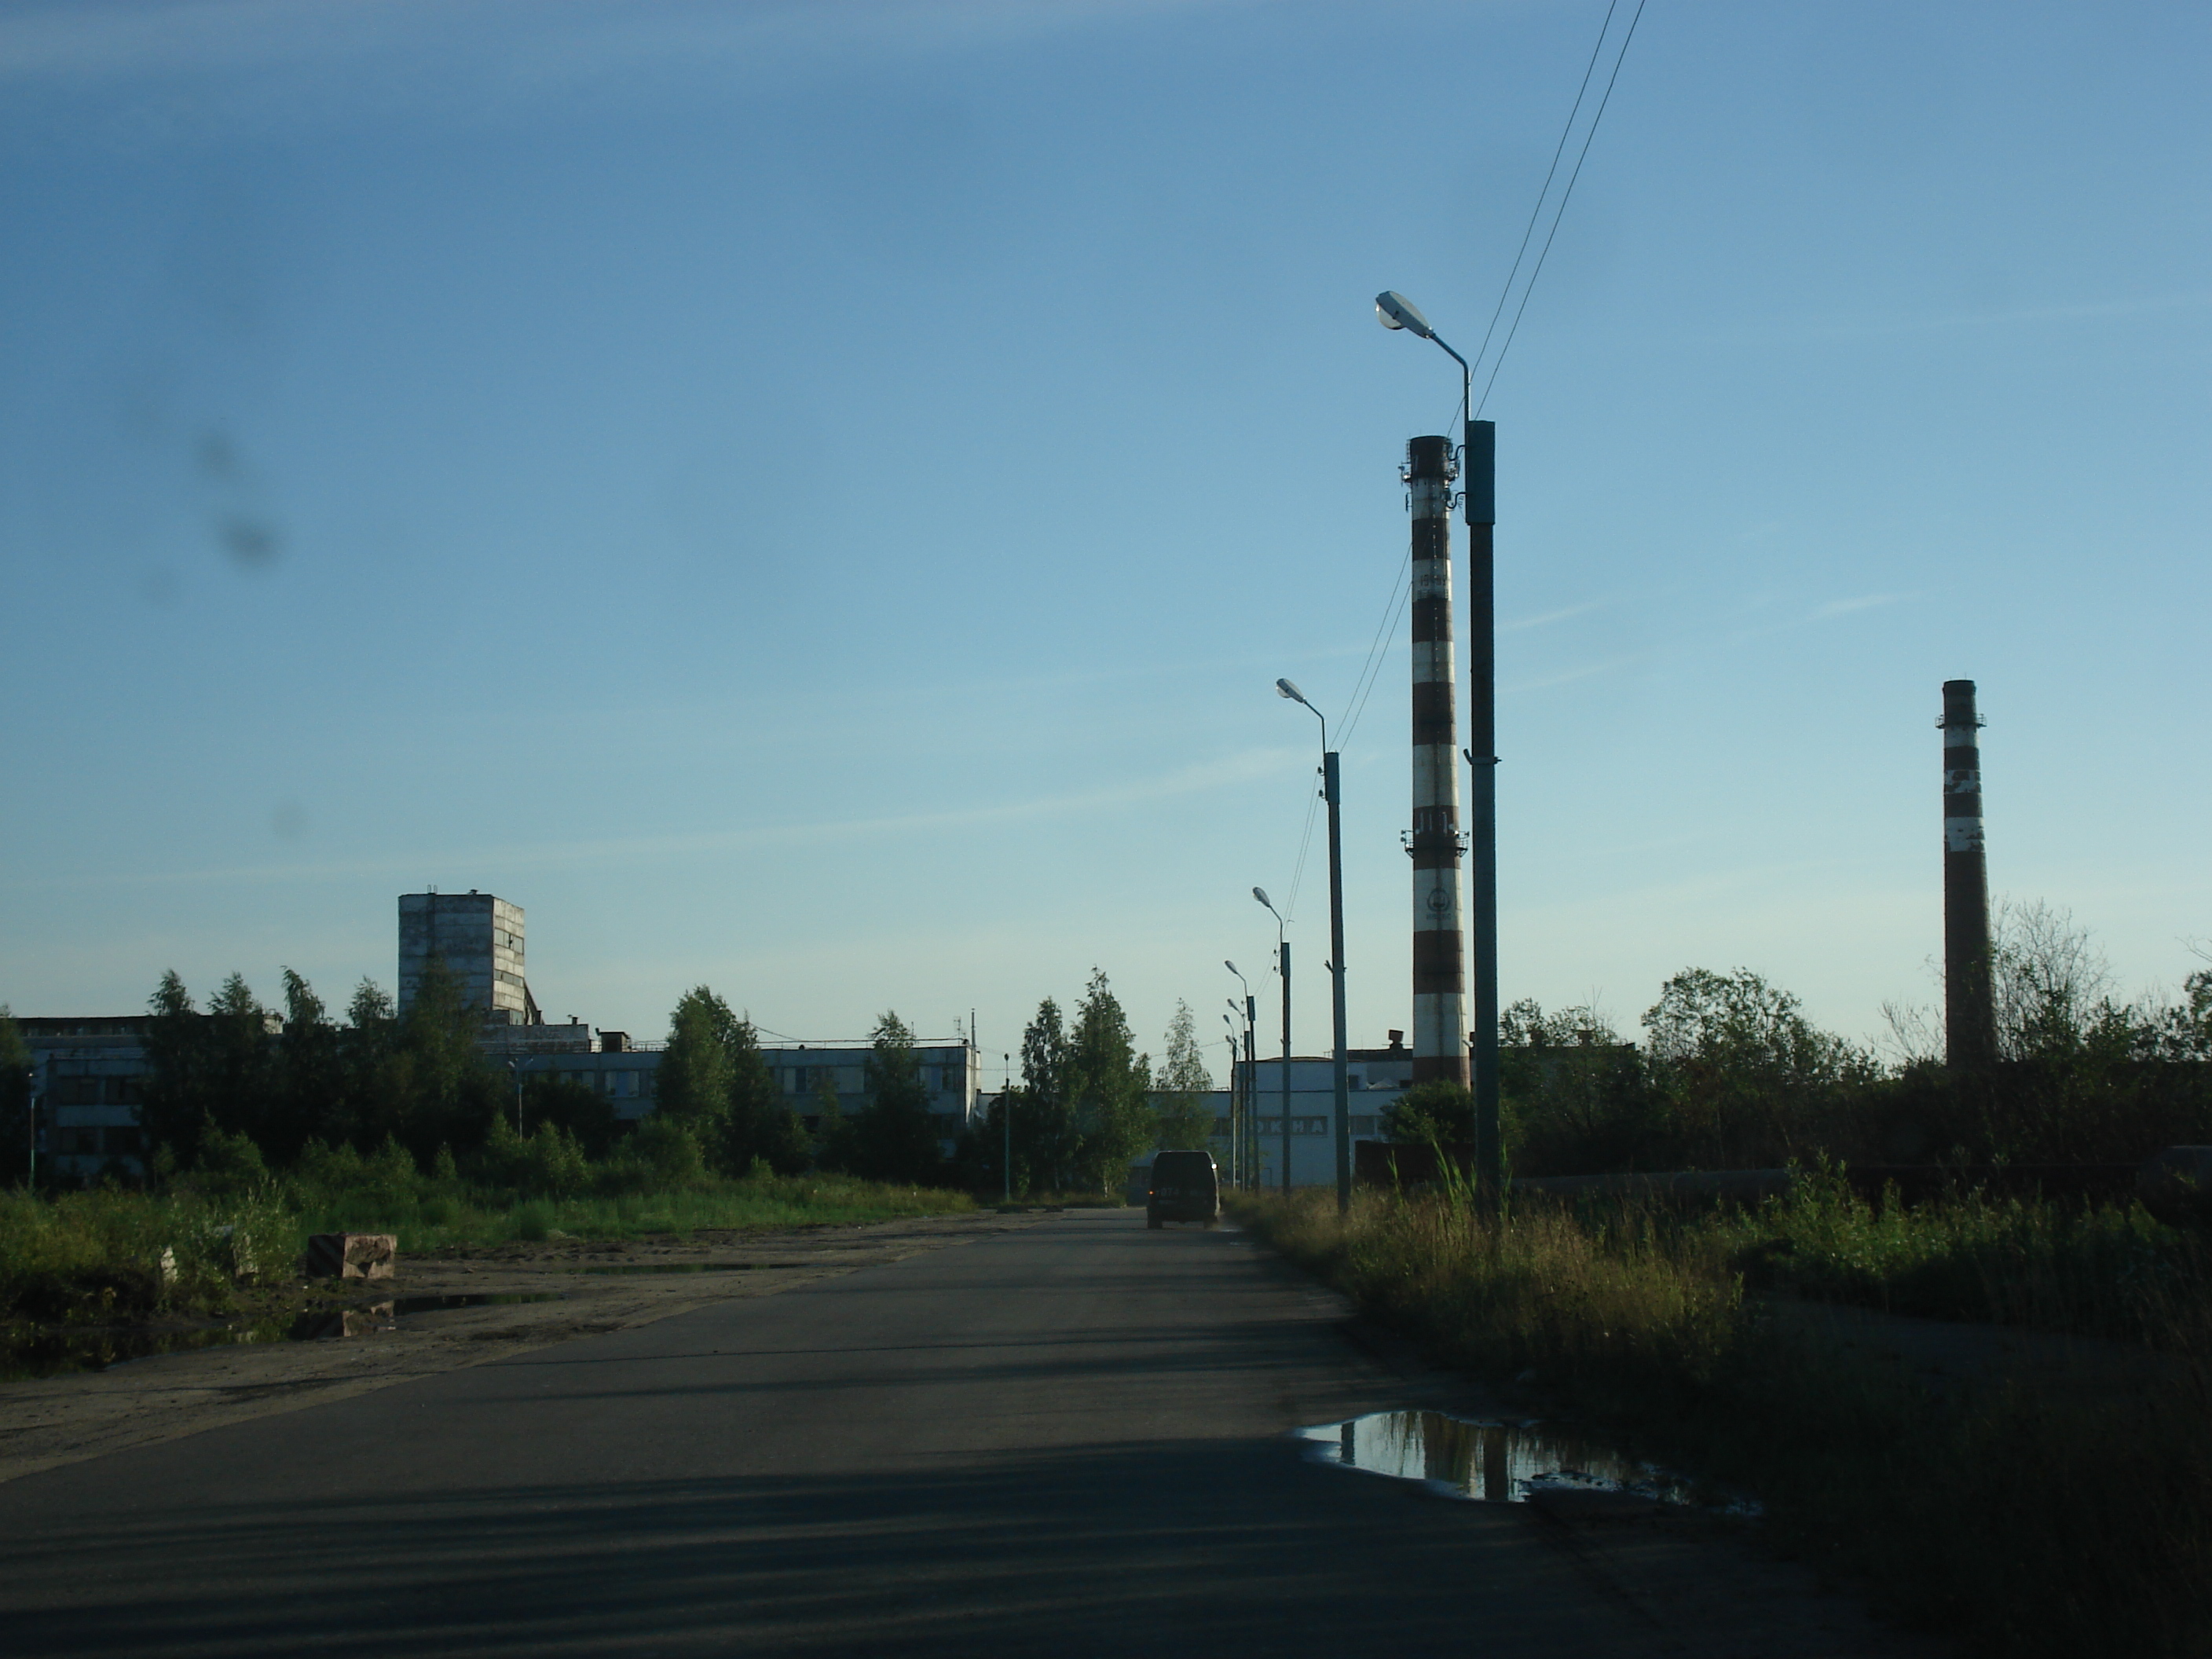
47,1422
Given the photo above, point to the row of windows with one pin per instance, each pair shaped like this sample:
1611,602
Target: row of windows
626,1084
1362,1127
127,1142
97,1091
851,1079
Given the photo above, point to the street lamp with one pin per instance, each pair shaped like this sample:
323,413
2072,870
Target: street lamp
1479,472
1332,794
1249,1147
1283,962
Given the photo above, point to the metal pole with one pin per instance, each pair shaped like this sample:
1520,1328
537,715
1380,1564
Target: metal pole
1970,1036
1329,785
1252,1090
1479,469
1439,962
1283,945
1006,1122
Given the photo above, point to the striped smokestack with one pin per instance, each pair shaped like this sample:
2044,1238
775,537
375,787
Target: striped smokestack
1970,1039
1439,954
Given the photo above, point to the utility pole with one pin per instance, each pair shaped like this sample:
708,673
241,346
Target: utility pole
1006,1122
1333,795
1336,973
1970,1034
1284,947
1479,472
1251,1089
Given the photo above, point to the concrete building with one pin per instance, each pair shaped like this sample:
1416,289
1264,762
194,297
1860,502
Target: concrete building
480,939
1377,1076
624,1071
89,1078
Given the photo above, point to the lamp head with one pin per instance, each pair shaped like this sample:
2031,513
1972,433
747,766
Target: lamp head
1230,966
1394,310
1285,688
1260,894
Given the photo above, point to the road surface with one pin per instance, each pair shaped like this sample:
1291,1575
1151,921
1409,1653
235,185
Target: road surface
1068,1440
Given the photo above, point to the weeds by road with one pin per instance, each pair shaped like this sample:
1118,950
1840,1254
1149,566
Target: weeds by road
109,1255
2025,1522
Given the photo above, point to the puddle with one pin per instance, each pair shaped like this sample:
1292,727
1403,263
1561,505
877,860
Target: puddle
1500,1463
675,1267
380,1315
59,1352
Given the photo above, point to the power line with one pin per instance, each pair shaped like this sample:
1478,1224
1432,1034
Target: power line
1581,156
1389,627
1536,211
1377,649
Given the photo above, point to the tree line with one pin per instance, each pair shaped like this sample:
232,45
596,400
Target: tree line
1730,1074
295,1082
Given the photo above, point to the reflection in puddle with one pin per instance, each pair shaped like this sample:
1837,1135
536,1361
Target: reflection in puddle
1491,1462
378,1316
675,1267
59,1353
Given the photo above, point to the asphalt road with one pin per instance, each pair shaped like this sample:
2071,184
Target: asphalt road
1065,1440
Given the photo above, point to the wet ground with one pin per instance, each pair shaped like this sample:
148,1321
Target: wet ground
73,1393
1504,1461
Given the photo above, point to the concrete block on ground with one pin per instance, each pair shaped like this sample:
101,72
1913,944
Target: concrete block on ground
352,1255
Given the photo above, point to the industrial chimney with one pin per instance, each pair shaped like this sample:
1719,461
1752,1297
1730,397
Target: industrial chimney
1970,1039
1439,954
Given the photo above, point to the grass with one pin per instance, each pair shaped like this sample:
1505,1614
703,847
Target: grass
2023,1522
433,1218
109,1255
2111,1271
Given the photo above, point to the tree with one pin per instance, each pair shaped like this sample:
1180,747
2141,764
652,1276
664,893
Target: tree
1185,1121
1048,1144
694,1080
1107,1085
895,1138
1438,1112
15,1100
1744,1075
713,1077
1572,1094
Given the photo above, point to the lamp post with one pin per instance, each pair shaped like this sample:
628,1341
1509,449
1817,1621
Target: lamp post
1479,477
31,1124
1006,1121
1283,962
1332,794
1248,1148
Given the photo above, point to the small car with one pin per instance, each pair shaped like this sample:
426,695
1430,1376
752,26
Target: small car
1184,1187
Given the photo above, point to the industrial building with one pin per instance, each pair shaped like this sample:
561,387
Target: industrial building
89,1077
479,939
625,1072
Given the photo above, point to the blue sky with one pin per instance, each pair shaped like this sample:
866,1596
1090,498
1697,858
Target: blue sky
813,498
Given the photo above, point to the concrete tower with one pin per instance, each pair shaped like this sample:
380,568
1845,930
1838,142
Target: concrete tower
1439,943
1970,1026
479,937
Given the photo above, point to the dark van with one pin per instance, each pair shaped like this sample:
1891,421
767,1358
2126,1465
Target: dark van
1185,1187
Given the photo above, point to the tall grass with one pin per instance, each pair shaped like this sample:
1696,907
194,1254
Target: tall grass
110,1254
2107,1270
2064,1519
